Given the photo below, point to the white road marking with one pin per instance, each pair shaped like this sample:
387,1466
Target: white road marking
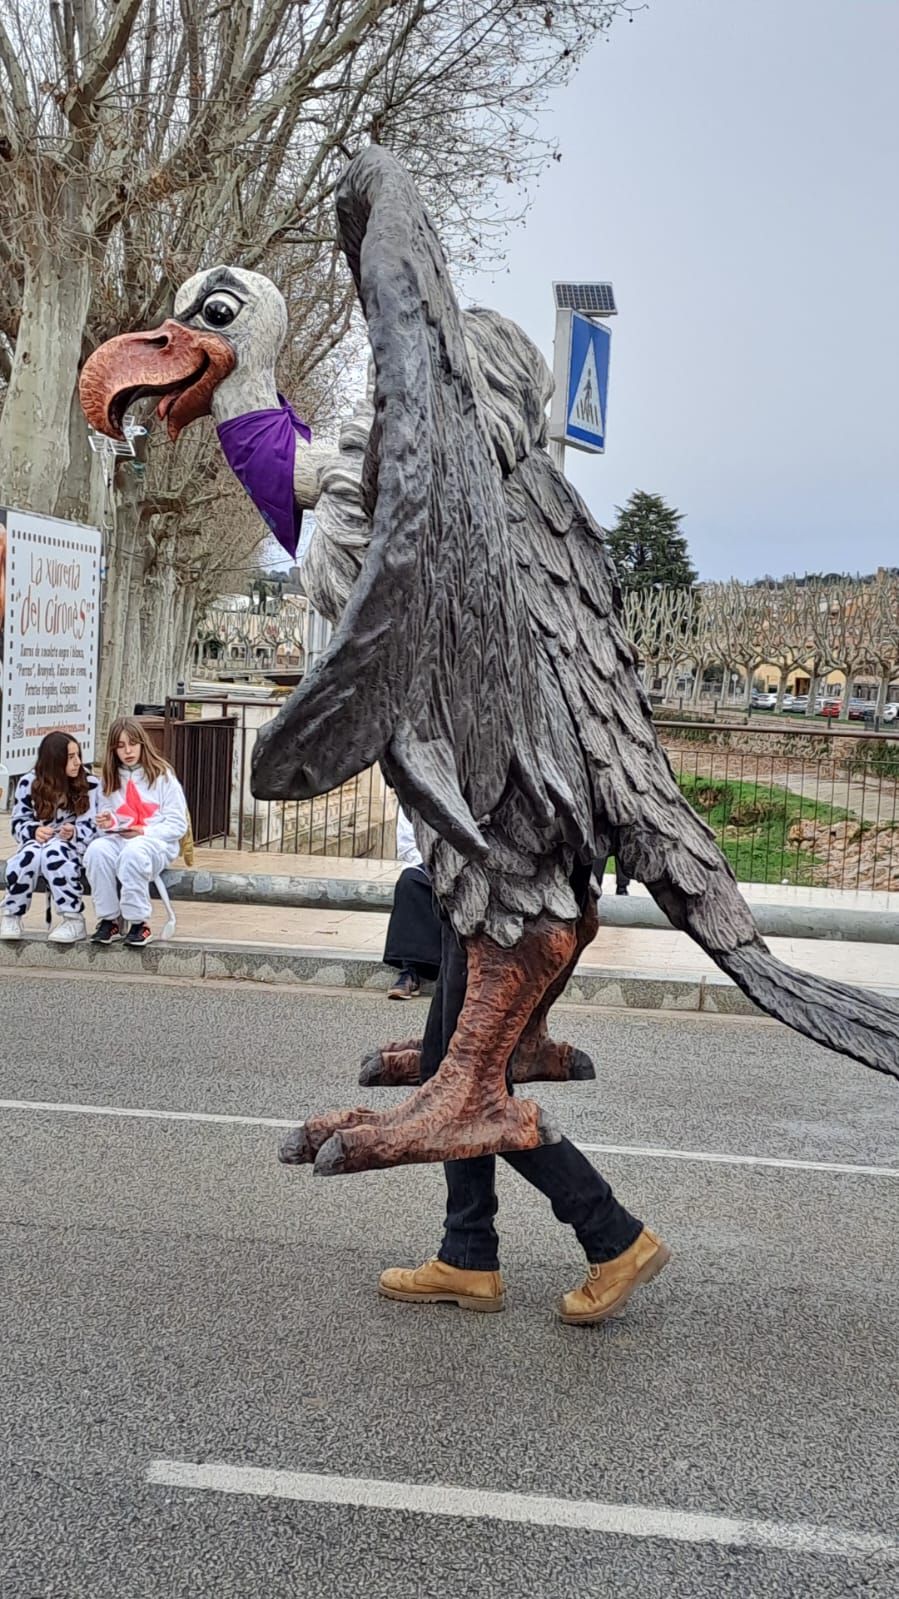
588,1515
650,1153
150,1115
644,1152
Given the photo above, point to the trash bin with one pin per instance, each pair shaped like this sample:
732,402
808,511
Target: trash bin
201,754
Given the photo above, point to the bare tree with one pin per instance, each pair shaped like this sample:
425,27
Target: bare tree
735,620
660,623
823,637
784,629
847,618
883,634
704,651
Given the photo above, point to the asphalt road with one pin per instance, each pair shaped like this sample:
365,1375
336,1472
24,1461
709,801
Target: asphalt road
169,1294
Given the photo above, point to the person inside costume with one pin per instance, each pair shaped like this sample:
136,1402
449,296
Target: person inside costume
480,656
53,822
142,815
622,1253
413,932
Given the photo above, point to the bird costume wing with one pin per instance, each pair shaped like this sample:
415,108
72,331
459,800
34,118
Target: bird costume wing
482,657
570,589
428,668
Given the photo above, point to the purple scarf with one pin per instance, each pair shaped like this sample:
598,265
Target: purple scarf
260,449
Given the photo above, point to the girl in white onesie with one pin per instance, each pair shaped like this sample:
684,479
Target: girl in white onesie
142,817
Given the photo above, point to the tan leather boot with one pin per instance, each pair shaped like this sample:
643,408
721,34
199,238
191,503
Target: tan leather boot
608,1287
437,1283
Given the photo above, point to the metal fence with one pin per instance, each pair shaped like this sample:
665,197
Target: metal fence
810,808
356,820
787,805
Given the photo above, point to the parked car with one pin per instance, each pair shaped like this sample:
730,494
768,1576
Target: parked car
891,711
859,710
763,702
798,704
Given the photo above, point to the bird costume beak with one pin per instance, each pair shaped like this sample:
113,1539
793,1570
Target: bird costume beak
182,364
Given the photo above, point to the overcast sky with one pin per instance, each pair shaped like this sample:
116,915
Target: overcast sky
733,167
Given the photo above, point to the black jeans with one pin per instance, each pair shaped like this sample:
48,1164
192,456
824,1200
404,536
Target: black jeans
579,1196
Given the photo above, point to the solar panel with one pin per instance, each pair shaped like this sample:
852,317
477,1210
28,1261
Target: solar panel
592,299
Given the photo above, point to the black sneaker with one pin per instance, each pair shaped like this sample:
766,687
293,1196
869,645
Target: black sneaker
138,935
406,986
108,930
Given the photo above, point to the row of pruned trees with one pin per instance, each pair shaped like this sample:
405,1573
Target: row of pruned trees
805,625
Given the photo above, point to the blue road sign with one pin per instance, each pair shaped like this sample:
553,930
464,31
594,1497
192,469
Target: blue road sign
582,382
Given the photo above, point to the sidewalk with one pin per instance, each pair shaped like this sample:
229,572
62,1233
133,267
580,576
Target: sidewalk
630,968
655,953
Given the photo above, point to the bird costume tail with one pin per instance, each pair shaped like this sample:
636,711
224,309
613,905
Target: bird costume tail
852,1020
710,907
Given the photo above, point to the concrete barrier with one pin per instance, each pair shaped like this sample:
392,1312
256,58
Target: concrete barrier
357,894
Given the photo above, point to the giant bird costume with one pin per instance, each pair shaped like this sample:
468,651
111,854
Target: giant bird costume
480,658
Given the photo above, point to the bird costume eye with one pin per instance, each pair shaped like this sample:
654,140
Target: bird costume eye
220,309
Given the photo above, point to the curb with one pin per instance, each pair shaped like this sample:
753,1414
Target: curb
605,988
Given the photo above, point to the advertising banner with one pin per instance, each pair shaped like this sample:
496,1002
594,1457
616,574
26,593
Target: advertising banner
49,629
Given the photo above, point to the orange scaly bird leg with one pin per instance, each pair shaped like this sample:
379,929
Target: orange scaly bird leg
465,1110
536,1058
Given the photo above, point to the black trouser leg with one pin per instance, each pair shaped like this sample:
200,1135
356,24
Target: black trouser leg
580,1197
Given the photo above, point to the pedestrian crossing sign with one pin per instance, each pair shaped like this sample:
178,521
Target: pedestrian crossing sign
581,382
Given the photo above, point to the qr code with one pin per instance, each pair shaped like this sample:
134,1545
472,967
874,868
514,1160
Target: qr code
18,721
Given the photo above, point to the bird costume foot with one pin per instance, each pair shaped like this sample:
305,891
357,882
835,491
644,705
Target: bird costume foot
395,1065
466,1109
536,1060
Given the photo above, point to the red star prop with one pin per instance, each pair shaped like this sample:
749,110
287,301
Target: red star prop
135,811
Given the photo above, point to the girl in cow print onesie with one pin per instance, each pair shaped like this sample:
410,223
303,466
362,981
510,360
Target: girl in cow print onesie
53,821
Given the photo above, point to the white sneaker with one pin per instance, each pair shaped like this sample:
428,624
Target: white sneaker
71,930
10,927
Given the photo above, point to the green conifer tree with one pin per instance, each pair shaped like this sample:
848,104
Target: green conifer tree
647,545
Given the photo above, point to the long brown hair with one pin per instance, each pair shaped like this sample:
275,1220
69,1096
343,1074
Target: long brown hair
152,762
53,789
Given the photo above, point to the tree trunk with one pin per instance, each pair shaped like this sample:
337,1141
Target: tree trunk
121,683
813,690
36,420
82,492
154,629
781,688
847,693
183,627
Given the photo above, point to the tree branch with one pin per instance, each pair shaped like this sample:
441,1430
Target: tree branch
18,88
80,104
